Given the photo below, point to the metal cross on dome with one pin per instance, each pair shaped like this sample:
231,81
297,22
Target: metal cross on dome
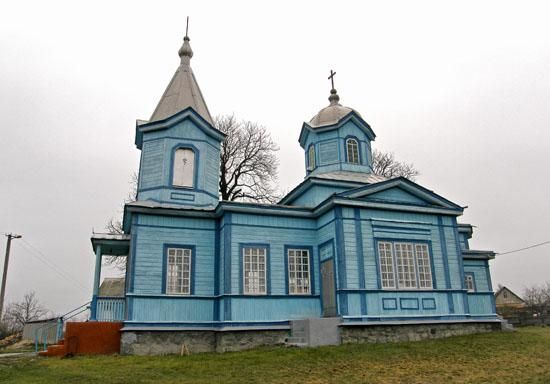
331,77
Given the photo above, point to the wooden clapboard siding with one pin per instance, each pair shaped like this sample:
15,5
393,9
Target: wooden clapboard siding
330,149
315,195
479,269
276,232
172,309
155,175
274,309
154,232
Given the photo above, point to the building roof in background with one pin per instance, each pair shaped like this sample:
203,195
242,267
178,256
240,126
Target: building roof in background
112,287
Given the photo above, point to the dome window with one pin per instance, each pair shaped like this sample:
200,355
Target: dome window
352,151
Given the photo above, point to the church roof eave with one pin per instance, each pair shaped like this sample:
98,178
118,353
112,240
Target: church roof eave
189,112
316,180
408,185
477,254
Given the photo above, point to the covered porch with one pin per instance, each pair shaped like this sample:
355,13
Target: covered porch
109,298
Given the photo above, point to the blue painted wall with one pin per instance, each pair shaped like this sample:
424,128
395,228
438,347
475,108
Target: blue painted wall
316,194
330,149
348,235
361,287
155,175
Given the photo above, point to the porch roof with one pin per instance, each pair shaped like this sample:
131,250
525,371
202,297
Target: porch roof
111,244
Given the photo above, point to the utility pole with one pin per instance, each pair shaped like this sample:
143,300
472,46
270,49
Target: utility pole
10,236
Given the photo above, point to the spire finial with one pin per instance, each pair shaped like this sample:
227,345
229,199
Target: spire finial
185,52
187,27
333,98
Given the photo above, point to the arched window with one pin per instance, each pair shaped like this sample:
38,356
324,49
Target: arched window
311,157
184,167
352,150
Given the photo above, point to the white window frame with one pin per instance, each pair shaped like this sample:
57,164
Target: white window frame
300,283
311,157
469,282
178,178
352,155
423,265
387,270
183,275
253,273
404,265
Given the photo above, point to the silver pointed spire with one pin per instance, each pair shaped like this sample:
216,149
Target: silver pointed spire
183,90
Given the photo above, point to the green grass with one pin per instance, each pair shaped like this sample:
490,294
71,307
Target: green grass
519,357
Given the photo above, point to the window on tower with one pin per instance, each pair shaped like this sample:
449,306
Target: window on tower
352,151
184,167
311,157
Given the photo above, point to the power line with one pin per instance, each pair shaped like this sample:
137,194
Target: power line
523,249
44,259
36,253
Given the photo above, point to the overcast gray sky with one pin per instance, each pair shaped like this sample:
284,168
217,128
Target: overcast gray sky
460,89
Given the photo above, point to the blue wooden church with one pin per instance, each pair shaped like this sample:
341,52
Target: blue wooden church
346,253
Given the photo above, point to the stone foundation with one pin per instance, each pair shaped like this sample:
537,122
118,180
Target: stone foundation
416,332
178,342
183,341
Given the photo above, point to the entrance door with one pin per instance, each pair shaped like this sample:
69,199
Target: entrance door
328,292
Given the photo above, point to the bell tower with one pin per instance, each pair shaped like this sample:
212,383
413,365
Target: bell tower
180,147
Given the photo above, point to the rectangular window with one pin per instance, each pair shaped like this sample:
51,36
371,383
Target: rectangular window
254,267
423,264
469,282
404,265
406,275
311,158
386,265
298,272
178,279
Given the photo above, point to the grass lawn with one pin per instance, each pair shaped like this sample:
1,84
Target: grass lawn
519,357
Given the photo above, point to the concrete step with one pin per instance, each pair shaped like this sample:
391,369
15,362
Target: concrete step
53,350
293,340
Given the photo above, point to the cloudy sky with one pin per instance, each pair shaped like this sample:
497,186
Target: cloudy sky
460,89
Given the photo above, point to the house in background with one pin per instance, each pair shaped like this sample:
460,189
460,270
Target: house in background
345,253
504,297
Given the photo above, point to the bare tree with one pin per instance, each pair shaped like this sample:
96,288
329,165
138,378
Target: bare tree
385,164
537,299
248,164
17,314
114,226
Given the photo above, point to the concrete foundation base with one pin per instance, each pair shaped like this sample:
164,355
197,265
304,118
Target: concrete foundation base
411,332
181,342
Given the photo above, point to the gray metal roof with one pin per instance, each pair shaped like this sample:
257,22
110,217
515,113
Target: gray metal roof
477,254
111,236
183,90
358,177
332,114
